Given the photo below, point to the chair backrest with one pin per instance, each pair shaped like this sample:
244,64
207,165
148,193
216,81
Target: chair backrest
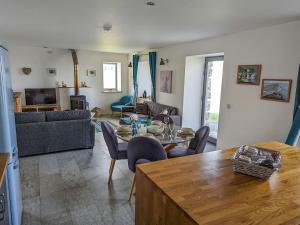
163,117
197,144
110,139
144,148
126,99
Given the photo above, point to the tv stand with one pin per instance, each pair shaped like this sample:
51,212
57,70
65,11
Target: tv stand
40,108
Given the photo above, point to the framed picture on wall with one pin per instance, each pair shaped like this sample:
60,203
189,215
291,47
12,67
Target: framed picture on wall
91,73
51,71
276,89
249,74
166,81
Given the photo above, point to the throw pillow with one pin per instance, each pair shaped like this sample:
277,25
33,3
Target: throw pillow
165,112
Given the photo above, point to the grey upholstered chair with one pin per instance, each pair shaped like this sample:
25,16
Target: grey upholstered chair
143,150
163,118
116,150
196,146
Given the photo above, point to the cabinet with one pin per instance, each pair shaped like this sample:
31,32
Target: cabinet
17,102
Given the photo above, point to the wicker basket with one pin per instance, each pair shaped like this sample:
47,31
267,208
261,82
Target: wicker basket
261,172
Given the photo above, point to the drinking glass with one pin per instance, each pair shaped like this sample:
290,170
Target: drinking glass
171,128
166,120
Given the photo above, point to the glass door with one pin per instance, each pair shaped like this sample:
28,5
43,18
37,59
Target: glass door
211,97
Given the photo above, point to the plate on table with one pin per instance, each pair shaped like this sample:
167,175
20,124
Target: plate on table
155,129
185,132
146,135
157,122
124,128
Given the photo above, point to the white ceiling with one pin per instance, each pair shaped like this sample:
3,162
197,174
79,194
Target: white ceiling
136,26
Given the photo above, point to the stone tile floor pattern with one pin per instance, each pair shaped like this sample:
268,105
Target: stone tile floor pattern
70,188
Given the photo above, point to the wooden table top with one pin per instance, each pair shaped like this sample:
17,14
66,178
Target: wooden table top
3,164
209,192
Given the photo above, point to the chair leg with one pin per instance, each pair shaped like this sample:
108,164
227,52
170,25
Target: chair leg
132,188
111,170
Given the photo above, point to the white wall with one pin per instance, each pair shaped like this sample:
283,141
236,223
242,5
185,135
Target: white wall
39,59
193,83
249,120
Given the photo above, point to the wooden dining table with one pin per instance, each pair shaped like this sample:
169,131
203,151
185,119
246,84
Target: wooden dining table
204,189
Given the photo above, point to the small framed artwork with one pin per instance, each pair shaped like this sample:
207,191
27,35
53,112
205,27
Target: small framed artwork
91,73
166,81
276,89
249,74
51,72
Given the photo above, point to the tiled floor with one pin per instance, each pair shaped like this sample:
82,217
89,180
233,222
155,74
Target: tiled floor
70,188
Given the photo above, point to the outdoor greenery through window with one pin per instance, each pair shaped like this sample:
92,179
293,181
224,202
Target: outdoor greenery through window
111,77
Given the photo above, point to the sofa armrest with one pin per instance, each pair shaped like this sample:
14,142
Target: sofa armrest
116,103
128,104
176,119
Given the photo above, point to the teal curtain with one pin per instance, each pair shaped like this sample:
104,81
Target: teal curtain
152,63
297,97
294,132
135,64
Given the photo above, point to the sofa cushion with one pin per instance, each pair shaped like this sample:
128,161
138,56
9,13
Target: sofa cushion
117,108
157,108
68,115
29,117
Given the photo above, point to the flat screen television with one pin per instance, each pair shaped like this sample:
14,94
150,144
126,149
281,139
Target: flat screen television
39,96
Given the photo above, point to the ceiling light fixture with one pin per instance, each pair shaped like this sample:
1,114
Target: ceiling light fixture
150,3
107,27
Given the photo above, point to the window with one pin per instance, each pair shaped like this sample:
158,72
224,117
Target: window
144,79
112,77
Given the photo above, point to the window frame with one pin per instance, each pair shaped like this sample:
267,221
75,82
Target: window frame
116,89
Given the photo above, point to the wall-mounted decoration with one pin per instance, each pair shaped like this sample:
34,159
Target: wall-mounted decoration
249,74
51,72
276,89
91,73
26,70
166,81
83,84
163,61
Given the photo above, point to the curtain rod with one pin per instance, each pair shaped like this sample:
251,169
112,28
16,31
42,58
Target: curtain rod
142,54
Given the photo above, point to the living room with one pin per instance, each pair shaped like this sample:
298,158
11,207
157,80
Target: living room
197,124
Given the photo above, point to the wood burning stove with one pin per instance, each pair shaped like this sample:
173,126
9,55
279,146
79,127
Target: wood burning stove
78,102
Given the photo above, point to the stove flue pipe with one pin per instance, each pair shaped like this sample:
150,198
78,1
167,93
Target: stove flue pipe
76,76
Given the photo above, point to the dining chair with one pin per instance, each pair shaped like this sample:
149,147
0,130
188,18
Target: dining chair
116,150
143,150
196,146
164,118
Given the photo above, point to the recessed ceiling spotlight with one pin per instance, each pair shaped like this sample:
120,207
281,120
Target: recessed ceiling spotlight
150,3
107,27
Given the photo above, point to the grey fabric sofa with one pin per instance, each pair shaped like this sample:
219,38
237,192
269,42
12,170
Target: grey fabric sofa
153,109
45,132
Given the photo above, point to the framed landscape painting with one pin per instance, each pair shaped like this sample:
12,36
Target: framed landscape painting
249,74
276,89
